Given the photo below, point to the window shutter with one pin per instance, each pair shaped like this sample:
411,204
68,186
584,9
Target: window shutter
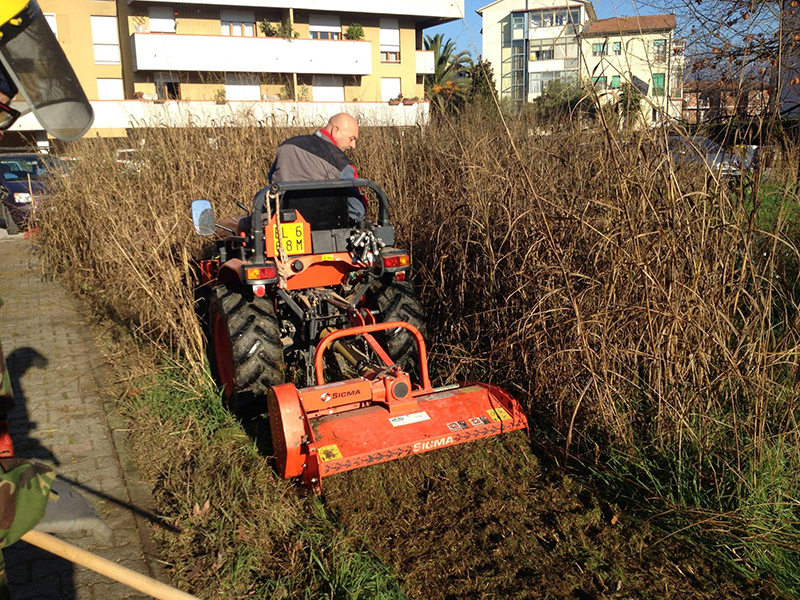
390,35
162,19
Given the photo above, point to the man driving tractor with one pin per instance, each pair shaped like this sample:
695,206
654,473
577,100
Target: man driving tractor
321,156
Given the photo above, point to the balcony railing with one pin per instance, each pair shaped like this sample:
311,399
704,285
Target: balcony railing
216,53
127,114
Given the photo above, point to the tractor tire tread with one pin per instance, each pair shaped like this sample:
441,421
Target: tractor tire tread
256,348
397,301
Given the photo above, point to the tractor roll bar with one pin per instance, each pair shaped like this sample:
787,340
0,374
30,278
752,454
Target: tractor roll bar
292,186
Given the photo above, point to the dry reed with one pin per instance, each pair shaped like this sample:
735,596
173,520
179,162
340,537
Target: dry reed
640,309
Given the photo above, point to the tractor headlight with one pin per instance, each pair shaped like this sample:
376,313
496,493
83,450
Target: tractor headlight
22,198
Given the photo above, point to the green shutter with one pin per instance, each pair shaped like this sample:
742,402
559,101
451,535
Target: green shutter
658,84
614,82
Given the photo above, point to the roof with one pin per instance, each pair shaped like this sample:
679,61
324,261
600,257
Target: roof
530,8
631,25
567,4
482,8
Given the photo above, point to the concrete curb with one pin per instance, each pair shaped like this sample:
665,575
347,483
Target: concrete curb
139,493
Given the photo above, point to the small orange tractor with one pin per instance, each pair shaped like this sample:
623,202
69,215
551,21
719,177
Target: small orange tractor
298,288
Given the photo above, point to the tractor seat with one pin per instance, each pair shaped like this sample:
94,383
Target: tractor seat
323,209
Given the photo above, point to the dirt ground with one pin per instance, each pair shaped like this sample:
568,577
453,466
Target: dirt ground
487,520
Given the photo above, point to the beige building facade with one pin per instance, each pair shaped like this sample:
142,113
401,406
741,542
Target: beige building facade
266,52
641,52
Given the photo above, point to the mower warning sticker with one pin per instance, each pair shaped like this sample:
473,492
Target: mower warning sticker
327,258
457,425
331,452
409,419
499,414
478,421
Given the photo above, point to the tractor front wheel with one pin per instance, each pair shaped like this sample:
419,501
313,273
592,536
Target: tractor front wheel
245,349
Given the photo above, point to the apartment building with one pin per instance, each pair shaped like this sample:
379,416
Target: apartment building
272,50
640,51
531,44
265,53
536,42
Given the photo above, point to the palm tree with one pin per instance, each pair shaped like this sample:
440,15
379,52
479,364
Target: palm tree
449,83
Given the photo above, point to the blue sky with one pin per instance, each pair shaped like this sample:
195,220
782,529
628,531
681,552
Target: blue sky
467,32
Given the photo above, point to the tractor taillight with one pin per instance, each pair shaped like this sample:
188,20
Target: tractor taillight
261,274
396,261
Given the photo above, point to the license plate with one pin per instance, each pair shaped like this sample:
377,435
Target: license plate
294,241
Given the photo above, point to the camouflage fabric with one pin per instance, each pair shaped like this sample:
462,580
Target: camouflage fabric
24,493
6,394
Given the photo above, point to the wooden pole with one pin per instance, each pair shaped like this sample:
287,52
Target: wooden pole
112,570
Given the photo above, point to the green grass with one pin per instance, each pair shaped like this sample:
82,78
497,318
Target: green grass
258,536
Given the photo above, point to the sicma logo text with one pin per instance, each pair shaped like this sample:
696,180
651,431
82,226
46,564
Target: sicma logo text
431,444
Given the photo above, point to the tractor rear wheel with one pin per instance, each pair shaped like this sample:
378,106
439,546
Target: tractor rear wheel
245,348
397,301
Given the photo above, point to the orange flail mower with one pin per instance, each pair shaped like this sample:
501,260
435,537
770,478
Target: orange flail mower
299,287
336,427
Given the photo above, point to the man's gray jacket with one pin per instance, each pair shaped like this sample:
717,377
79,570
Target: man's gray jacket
313,158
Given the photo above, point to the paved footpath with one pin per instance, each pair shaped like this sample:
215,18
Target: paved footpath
62,419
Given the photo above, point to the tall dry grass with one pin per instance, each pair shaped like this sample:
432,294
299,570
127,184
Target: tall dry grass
645,313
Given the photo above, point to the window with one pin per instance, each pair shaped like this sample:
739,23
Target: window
390,41
615,82
575,16
541,51
110,89
105,40
162,19
51,20
242,87
324,27
658,84
599,82
237,23
518,27
660,50
328,88
536,20
617,48
390,88
600,49
166,87
561,17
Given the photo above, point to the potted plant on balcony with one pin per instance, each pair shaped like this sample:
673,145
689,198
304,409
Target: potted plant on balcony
355,32
396,101
410,101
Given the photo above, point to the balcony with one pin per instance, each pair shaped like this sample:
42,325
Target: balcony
553,64
425,62
216,53
437,9
118,115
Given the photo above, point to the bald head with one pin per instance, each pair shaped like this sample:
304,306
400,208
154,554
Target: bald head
344,131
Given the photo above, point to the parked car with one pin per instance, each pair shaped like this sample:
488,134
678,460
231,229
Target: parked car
701,151
131,159
22,184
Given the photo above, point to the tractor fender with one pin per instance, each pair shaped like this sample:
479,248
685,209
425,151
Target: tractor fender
231,271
